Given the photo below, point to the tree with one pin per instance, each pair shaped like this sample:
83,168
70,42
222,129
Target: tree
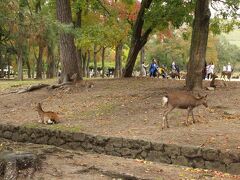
68,54
152,16
198,45
139,39
200,35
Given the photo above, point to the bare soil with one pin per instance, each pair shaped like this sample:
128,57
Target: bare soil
57,163
131,108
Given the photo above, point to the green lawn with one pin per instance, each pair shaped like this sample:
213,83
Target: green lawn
5,84
233,37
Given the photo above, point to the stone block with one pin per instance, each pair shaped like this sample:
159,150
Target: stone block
67,136
42,140
98,149
215,165
233,168
180,160
158,156
100,140
79,137
116,142
210,154
158,146
172,149
228,157
192,152
131,144
125,152
52,140
143,154
74,145
7,134
197,163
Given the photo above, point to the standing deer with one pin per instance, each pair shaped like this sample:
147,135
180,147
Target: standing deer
182,100
52,117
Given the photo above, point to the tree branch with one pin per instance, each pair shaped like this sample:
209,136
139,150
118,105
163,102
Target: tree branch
101,4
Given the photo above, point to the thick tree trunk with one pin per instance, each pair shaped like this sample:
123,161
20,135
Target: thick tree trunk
142,56
95,51
103,59
28,69
84,62
8,65
20,66
80,61
198,45
68,54
139,39
50,63
88,62
1,64
79,51
40,62
118,61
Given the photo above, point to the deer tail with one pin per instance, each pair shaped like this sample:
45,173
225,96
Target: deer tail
164,101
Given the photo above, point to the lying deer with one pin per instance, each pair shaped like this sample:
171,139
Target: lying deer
182,100
52,117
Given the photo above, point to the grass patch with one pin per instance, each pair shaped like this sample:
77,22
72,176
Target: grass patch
59,127
103,109
7,84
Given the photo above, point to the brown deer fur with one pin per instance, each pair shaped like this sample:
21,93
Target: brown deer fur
182,100
51,117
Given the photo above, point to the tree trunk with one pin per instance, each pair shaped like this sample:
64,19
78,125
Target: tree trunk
50,63
88,62
84,62
198,45
142,55
68,54
20,66
103,59
80,63
95,51
8,65
79,51
138,40
118,59
28,68
40,61
1,64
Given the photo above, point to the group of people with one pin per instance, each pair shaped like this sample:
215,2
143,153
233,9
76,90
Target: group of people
227,68
155,70
209,71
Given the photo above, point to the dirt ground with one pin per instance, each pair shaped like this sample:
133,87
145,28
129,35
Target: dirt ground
57,163
131,108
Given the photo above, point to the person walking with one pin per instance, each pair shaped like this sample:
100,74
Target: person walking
229,67
143,69
153,68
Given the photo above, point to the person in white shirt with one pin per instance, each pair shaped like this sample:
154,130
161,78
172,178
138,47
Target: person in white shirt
211,69
143,69
224,68
229,68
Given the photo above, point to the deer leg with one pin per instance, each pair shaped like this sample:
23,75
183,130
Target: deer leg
193,116
189,109
165,119
42,118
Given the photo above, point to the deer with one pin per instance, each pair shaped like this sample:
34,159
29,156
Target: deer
212,83
182,100
52,117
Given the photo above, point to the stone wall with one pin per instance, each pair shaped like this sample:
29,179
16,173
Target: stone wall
196,157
